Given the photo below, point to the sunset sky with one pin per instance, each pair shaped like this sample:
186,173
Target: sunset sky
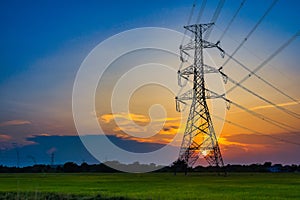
44,43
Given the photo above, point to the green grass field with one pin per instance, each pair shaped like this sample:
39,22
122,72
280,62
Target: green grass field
150,186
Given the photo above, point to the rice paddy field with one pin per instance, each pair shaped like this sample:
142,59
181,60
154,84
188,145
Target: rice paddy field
150,186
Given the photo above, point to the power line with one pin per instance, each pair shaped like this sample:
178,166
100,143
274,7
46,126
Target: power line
217,11
201,11
251,32
255,114
260,133
189,20
236,83
282,47
263,80
214,18
257,76
192,12
260,97
232,19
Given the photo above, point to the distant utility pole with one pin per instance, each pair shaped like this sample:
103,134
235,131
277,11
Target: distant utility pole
32,158
17,153
52,158
18,157
199,138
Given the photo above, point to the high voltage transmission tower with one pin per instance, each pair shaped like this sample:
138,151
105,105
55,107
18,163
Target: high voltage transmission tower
199,138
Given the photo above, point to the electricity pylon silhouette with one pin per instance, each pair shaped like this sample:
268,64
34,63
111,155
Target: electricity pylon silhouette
199,138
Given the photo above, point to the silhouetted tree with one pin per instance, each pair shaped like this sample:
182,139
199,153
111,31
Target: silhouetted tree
71,167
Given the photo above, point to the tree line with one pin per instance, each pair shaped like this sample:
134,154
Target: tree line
178,166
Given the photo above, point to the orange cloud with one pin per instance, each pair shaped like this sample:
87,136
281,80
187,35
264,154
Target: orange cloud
14,122
256,142
164,136
252,148
280,105
155,139
164,128
170,128
43,134
107,118
225,142
4,137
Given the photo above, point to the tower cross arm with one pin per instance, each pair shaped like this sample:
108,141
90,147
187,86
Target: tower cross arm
194,28
213,95
188,95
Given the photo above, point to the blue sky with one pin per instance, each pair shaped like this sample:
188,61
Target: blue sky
31,30
42,44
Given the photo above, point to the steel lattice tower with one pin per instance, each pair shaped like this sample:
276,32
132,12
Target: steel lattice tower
199,137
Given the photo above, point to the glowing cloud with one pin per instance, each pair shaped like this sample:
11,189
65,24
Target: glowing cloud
14,123
162,136
4,137
107,118
280,105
